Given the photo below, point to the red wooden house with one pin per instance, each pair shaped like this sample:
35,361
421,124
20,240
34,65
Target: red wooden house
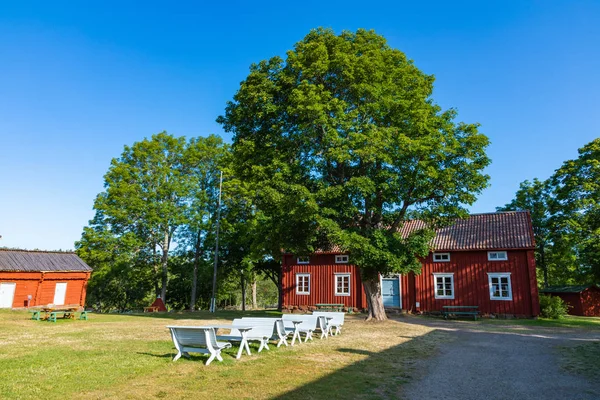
35,278
583,300
486,260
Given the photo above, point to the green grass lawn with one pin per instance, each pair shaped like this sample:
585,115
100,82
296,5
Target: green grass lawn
129,356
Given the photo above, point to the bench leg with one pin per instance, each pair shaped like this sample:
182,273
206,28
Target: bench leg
282,340
178,356
211,358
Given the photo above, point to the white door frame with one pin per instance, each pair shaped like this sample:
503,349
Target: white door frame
391,276
14,286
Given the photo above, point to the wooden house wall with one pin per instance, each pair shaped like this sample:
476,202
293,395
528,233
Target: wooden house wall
471,285
42,285
322,270
590,302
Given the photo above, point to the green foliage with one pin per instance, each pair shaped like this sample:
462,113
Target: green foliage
565,213
553,307
341,143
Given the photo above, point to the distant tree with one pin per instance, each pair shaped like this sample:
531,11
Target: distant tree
342,143
535,197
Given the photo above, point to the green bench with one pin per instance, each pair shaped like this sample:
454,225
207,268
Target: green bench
68,314
330,307
36,314
460,310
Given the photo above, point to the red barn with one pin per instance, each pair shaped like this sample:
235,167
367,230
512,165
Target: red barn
34,278
583,300
486,260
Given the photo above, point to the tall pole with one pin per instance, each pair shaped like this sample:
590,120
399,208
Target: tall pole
213,300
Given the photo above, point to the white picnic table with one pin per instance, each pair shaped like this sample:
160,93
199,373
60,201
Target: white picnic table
243,331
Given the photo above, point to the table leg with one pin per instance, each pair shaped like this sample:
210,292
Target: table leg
296,335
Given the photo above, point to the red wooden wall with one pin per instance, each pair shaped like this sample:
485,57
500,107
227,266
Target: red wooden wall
586,303
41,286
471,286
322,270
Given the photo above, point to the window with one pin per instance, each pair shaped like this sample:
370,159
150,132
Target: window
342,284
444,286
302,283
500,286
303,260
441,257
497,255
343,259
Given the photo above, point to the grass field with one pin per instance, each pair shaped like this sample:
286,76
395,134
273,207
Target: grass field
129,356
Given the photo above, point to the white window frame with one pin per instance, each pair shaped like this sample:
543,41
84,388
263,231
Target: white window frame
441,254
302,275
505,258
500,275
335,281
342,259
303,260
435,288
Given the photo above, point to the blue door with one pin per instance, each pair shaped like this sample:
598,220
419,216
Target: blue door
390,291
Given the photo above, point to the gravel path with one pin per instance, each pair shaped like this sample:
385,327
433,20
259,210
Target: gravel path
501,364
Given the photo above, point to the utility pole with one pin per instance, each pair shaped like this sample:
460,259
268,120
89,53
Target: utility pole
213,300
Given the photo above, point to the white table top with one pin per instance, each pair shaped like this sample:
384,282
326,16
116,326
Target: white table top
224,326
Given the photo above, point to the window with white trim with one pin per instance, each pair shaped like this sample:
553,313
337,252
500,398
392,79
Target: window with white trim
303,260
441,257
302,283
342,284
341,259
444,286
497,256
500,288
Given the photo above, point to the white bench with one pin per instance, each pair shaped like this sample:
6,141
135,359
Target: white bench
197,339
336,321
259,333
276,326
309,324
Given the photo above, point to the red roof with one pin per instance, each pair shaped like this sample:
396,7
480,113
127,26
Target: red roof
499,230
491,231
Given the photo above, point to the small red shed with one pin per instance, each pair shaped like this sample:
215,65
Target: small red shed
583,300
35,278
485,260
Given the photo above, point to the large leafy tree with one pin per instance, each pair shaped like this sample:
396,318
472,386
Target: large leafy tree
535,197
343,143
577,208
146,192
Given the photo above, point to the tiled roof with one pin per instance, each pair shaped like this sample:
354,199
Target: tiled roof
500,230
36,261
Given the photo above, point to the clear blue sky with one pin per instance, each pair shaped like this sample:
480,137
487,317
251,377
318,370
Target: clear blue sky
78,82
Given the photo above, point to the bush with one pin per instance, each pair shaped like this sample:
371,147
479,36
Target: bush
553,307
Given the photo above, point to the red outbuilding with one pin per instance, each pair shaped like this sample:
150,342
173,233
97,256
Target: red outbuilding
35,278
485,260
582,300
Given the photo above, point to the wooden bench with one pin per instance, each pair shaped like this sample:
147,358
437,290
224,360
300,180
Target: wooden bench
460,310
36,314
330,307
335,320
83,315
151,309
309,325
276,326
197,339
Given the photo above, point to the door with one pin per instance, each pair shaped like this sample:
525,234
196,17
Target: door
390,291
60,293
7,294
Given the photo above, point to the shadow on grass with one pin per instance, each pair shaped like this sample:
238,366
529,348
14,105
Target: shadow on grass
378,375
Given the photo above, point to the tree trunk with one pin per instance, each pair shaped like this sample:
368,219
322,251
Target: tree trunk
165,270
243,292
374,300
195,274
254,302
544,266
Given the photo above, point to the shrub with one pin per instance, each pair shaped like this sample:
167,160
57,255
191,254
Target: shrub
553,307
